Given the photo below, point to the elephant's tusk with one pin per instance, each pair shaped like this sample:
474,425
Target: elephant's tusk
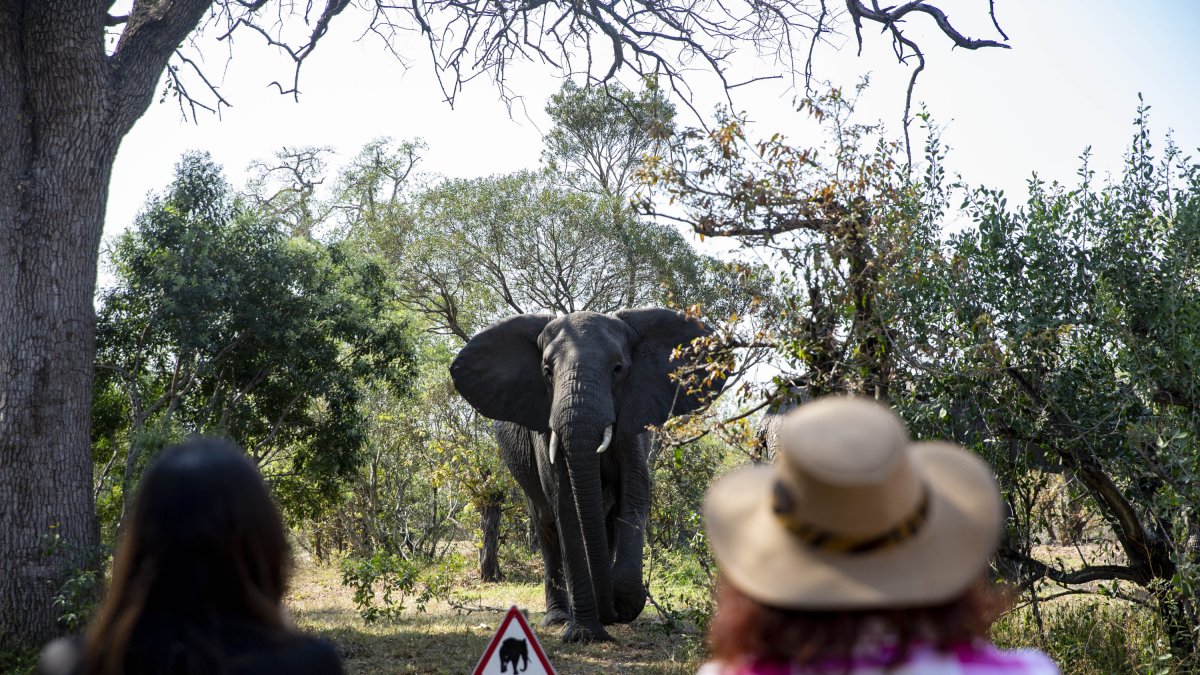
553,445
607,439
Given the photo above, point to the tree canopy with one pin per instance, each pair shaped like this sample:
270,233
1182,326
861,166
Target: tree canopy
479,249
602,134
1055,336
217,322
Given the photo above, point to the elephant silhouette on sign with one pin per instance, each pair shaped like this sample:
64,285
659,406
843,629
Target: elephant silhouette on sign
511,650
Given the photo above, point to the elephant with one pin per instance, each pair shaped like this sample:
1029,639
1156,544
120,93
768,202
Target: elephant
511,651
571,398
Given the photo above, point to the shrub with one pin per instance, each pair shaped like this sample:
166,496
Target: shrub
383,581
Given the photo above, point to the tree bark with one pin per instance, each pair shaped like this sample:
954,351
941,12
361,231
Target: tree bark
489,555
55,163
64,107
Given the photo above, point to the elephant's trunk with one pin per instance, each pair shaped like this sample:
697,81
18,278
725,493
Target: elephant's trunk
580,422
583,469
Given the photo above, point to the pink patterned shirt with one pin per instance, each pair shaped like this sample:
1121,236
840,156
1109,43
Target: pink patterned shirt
975,659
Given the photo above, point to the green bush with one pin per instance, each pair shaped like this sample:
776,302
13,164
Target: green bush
681,581
383,581
18,662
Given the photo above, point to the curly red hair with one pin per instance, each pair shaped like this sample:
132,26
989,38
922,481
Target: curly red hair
745,630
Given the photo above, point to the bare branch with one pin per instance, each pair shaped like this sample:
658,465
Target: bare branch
890,18
152,33
593,40
992,13
1086,574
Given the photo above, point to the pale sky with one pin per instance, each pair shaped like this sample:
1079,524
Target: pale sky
1071,80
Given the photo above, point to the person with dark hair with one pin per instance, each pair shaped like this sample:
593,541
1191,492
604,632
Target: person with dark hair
198,579
857,552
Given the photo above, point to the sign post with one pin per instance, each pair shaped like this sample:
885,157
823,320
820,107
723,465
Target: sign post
514,644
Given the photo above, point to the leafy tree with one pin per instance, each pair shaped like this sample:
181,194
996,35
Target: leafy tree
218,323
285,188
1052,337
432,462
833,230
601,135
472,250
77,78
375,187
1069,327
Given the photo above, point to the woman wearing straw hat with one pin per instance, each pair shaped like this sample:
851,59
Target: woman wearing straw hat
857,552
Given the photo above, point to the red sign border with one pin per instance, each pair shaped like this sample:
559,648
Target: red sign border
537,647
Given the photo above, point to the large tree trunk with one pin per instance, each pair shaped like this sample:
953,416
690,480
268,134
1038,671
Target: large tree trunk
54,169
64,107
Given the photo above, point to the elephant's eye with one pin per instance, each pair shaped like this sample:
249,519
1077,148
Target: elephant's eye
618,369
546,371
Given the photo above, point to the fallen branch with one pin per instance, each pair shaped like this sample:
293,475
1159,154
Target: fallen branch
463,608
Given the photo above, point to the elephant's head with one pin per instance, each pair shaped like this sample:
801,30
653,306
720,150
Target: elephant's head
587,379
580,373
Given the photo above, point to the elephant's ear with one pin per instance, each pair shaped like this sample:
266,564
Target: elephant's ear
651,395
499,372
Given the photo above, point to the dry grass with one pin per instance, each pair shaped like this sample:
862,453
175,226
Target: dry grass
1092,635
448,640
1086,635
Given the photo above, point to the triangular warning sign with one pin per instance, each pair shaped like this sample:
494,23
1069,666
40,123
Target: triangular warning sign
514,650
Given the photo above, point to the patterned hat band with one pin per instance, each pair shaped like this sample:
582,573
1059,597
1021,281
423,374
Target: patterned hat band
784,506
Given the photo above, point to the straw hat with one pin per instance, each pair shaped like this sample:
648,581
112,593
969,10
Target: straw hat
853,515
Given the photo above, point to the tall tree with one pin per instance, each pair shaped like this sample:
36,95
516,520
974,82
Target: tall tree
285,188
474,250
601,134
828,224
67,100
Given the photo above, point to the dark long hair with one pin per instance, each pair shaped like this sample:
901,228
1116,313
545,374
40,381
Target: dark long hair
203,545
744,630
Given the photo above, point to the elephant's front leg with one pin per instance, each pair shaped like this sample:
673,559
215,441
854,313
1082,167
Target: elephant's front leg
558,607
586,624
633,508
